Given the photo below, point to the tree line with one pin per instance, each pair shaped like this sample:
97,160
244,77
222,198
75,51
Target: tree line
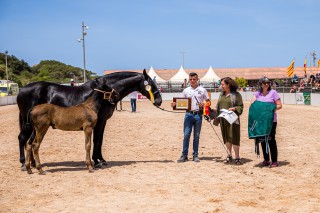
20,72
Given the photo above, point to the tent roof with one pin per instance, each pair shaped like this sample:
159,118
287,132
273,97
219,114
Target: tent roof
180,76
153,74
210,76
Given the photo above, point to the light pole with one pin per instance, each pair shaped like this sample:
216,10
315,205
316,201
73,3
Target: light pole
84,33
183,58
6,54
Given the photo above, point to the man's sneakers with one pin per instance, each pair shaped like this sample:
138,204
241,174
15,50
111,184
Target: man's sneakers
182,159
196,159
185,158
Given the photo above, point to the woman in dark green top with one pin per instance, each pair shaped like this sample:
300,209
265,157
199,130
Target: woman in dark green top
231,100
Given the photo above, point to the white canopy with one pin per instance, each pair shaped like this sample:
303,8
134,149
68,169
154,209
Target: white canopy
179,76
210,76
153,75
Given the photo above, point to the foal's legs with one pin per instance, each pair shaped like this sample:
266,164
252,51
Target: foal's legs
28,156
88,134
36,146
40,133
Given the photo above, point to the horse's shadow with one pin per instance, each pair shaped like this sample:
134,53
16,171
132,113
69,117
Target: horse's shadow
69,166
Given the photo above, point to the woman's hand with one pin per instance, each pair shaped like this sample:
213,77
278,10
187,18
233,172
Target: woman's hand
232,109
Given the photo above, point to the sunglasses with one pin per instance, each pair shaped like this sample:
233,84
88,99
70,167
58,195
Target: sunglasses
265,83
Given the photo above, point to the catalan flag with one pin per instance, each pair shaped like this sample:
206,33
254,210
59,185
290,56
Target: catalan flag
305,66
318,63
291,69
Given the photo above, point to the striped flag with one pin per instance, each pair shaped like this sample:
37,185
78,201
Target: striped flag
305,66
291,69
318,63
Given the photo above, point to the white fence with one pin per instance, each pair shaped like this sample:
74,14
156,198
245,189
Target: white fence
8,100
286,98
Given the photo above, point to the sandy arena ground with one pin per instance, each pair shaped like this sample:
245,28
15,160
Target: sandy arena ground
143,176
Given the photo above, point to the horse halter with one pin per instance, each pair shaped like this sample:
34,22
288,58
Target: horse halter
149,89
106,95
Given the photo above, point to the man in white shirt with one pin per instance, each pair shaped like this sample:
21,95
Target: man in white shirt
193,118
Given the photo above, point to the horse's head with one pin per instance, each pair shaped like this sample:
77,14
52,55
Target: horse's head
150,90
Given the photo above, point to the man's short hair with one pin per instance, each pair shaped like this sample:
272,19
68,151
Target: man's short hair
193,74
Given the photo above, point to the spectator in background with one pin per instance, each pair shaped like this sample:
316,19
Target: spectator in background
133,100
154,79
184,84
72,83
301,85
317,84
294,79
293,89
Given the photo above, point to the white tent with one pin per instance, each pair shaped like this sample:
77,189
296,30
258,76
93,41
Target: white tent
179,76
153,74
210,76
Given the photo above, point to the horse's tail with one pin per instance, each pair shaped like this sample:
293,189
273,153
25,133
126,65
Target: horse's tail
28,124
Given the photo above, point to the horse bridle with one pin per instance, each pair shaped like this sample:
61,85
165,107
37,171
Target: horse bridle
107,95
148,87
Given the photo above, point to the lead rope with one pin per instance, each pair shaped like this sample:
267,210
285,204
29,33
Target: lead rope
208,119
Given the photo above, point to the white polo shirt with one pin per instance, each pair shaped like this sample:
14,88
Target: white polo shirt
198,93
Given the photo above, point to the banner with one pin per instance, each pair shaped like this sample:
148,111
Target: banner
290,69
307,98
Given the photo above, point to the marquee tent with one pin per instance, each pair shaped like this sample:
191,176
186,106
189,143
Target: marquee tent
180,76
153,74
210,76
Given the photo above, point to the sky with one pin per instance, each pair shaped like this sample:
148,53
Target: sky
138,34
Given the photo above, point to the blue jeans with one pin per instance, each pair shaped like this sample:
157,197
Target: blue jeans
190,121
133,104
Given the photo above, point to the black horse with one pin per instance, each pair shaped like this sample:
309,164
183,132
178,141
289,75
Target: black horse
44,92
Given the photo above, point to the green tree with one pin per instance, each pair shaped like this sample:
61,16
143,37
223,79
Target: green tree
241,82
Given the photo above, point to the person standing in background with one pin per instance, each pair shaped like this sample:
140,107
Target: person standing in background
133,100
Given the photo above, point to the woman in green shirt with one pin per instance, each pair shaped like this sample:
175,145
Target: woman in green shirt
231,100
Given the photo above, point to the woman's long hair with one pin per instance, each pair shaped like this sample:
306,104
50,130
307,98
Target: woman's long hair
232,83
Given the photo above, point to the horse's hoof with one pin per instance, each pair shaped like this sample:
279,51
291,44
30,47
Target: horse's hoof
98,165
104,163
42,172
23,168
91,170
29,171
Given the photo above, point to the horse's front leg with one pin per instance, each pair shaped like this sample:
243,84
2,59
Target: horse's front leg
97,143
87,134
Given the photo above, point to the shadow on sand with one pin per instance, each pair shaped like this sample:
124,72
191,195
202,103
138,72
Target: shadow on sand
69,166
